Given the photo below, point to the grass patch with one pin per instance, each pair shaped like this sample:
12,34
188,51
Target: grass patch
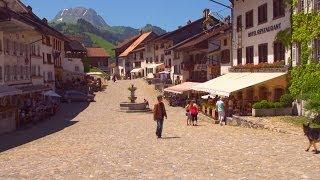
99,41
299,121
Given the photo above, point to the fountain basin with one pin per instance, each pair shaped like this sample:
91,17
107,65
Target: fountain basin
134,107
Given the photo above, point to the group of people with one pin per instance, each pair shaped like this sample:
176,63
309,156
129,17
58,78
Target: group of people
192,111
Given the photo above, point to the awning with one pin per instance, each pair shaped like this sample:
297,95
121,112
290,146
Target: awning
154,65
164,72
232,82
136,70
9,91
33,89
150,76
51,94
181,88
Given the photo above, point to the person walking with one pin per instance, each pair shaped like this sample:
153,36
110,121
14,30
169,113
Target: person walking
188,114
221,110
159,113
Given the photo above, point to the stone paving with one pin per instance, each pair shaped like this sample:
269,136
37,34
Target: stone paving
97,141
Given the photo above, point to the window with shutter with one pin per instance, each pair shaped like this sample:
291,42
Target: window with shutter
239,56
263,53
263,13
279,52
249,19
249,55
239,23
278,9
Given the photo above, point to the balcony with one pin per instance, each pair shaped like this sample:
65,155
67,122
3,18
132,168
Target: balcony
262,67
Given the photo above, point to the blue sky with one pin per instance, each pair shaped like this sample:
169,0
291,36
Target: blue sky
168,14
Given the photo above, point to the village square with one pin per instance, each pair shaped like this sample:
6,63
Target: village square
231,93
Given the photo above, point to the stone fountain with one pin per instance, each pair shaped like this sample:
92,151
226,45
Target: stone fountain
133,106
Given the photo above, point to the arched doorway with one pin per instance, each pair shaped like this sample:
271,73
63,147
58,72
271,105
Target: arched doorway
278,92
263,93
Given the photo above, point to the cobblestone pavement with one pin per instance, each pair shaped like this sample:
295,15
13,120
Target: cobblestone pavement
102,143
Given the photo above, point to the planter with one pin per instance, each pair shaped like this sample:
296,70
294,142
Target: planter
284,112
263,112
272,112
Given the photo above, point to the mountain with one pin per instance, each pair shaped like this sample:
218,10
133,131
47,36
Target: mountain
93,29
72,15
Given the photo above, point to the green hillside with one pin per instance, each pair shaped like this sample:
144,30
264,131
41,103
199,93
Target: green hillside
99,41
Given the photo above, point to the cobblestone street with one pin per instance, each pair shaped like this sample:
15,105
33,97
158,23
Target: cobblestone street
100,142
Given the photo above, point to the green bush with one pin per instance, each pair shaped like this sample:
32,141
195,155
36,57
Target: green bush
287,100
279,105
264,104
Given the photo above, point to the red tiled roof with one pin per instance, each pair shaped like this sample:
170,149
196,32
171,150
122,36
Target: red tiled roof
127,41
96,52
203,36
135,44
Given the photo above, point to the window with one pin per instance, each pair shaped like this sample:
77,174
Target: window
6,73
278,9
34,70
39,71
76,68
279,52
249,19
162,45
262,13
21,72
162,57
249,55
50,77
156,47
15,72
141,55
176,55
239,23
263,53
1,73
157,58
239,56
225,56
0,45
225,42
169,62
49,58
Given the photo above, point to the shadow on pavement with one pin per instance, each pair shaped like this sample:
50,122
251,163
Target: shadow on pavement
63,119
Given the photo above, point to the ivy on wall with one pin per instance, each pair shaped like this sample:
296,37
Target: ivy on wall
304,80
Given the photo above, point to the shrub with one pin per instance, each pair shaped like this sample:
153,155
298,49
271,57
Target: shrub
279,105
264,104
287,100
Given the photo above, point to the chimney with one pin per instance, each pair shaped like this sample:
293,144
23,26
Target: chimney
141,31
44,20
206,13
29,8
189,22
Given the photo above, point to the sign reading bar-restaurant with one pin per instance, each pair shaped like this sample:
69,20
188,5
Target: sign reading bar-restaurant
264,30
